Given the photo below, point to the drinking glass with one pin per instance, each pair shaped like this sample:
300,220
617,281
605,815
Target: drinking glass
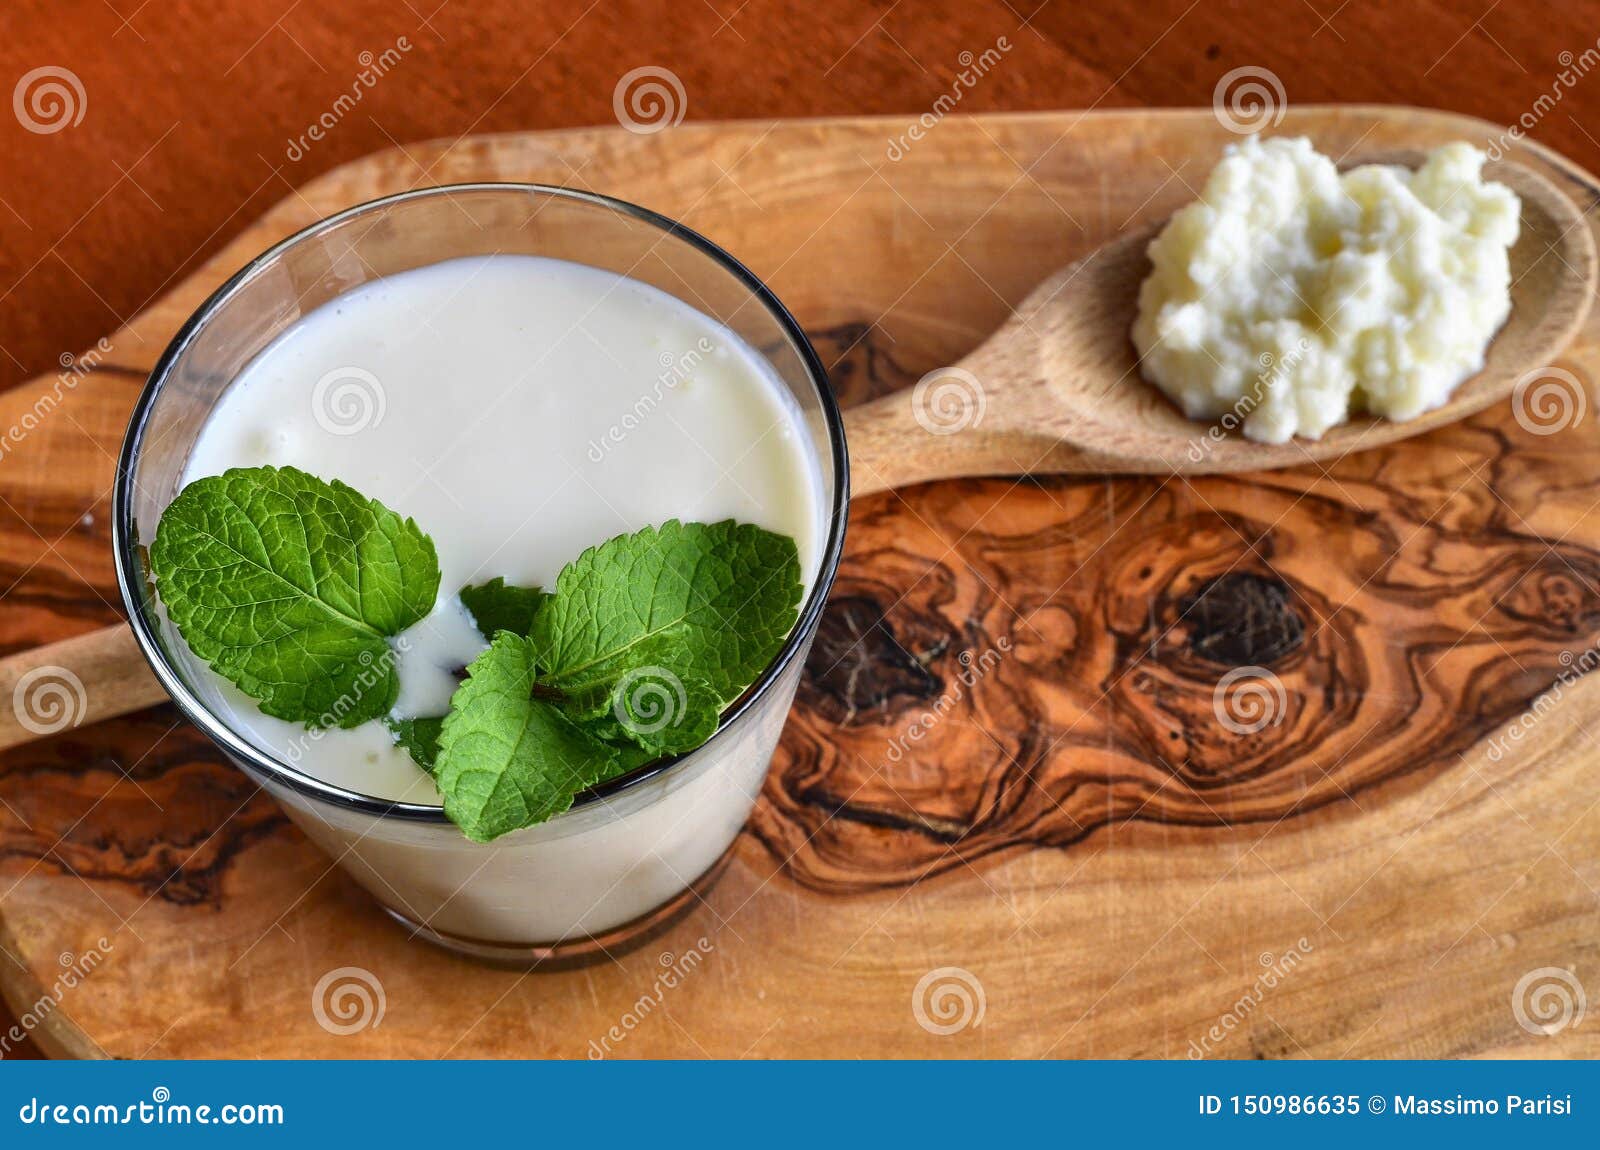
631,851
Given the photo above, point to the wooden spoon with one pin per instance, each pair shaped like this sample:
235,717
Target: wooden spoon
1055,390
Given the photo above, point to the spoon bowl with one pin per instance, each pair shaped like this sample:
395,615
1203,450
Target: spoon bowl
1057,389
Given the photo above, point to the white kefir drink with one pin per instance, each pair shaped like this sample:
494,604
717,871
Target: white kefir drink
521,410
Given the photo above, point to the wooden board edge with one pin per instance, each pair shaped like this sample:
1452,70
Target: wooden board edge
57,1034
288,210
1475,124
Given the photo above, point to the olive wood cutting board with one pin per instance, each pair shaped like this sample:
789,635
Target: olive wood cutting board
1030,802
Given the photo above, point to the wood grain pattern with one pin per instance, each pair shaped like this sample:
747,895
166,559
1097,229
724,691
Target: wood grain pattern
1398,642
1072,824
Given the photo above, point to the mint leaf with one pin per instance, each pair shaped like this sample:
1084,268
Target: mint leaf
506,759
419,737
499,606
657,711
290,587
629,754
712,602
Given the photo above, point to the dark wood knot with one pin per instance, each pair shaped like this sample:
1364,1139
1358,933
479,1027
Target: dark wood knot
1242,619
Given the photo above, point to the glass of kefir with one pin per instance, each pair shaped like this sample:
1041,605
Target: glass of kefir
526,371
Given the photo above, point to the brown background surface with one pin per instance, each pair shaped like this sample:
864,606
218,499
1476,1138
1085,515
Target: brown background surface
190,108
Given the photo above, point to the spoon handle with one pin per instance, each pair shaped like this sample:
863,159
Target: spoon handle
77,681
941,429
901,439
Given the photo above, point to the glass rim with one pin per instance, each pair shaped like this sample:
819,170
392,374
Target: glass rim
140,603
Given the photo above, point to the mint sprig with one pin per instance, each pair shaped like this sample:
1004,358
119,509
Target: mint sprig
291,587
644,640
